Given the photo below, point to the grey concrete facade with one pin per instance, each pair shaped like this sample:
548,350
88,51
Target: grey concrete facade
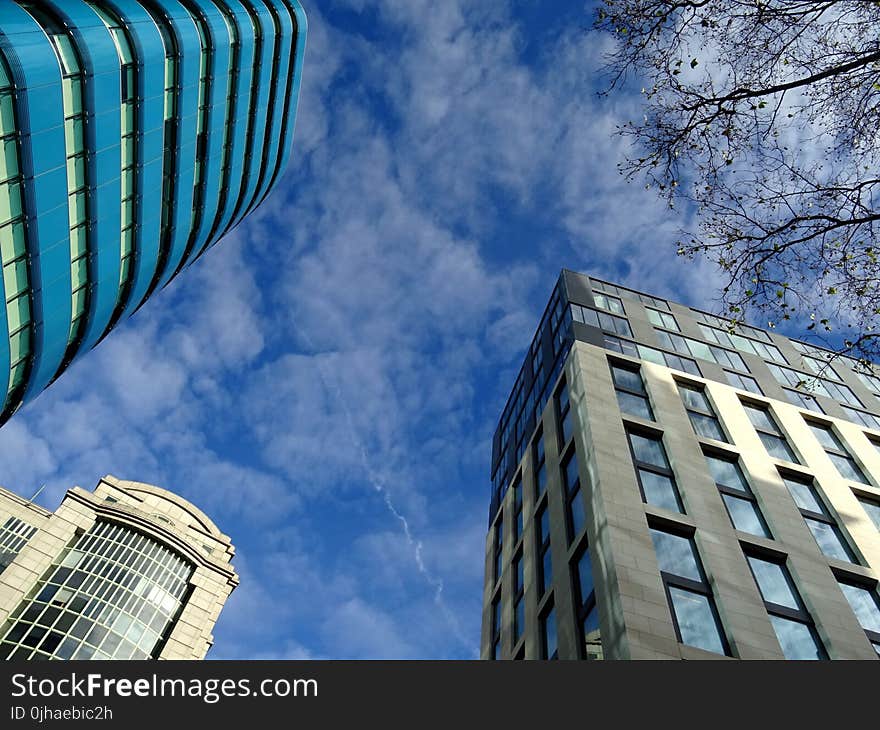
632,606
128,570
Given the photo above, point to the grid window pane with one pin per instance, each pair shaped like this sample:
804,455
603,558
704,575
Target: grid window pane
626,378
804,496
848,468
659,490
873,510
777,447
548,632
676,555
773,582
648,450
760,418
100,591
706,426
745,516
830,540
696,620
546,572
634,405
864,604
796,639
825,436
727,473
578,516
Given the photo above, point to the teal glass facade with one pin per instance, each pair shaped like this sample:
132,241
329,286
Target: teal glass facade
133,135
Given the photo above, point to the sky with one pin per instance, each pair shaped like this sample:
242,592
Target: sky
326,381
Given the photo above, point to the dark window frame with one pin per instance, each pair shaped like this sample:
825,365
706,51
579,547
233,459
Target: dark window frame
867,584
549,608
657,435
777,433
542,545
571,492
826,516
688,584
680,384
583,606
800,615
839,450
614,366
748,494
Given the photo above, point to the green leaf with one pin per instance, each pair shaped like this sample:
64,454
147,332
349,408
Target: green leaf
694,63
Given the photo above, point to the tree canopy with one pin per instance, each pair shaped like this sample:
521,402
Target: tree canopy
765,116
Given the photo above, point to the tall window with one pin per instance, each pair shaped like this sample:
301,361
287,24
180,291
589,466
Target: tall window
517,509
631,394
573,497
745,515
866,606
545,561
688,592
656,479
872,507
563,415
699,410
540,465
791,621
838,454
587,611
818,518
769,433
499,548
549,649
519,604
496,625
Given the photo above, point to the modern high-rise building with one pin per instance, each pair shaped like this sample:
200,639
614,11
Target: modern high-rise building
133,135
128,571
668,485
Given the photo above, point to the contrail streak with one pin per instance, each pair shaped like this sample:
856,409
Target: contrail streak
378,484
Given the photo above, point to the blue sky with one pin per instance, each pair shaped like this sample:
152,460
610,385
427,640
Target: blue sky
326,381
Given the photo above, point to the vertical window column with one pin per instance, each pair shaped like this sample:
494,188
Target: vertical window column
545,560
821,524
769,432
13,246
129,152
840,457
540,465
790,619
688,592
655,476
700,412
632,398
742,507
586,608
866,605
574,500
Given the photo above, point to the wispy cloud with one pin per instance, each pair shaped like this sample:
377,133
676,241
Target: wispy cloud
325,382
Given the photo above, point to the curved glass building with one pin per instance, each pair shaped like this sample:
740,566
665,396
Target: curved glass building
128,571
133,135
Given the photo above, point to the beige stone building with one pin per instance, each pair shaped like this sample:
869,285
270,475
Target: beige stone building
667,486
127,571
